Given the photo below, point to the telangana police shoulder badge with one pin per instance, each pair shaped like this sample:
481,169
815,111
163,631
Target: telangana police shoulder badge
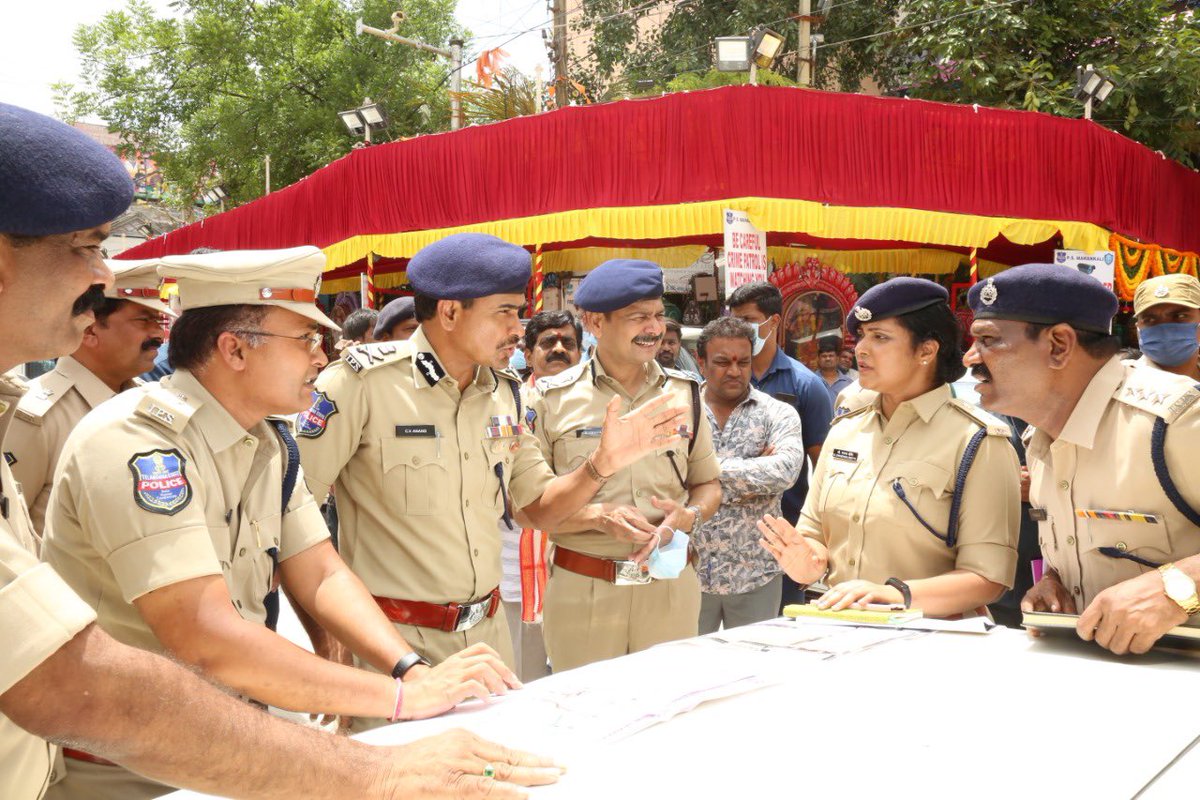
312,421
160,484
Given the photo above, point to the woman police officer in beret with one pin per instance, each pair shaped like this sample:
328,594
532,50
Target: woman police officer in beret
915,498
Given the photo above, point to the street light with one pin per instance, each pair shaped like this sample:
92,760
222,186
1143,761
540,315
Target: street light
1092,86
733,53
748,53
215,195
767,44
364,119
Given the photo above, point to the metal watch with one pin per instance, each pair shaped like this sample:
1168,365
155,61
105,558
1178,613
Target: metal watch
696,519
1180,588
407,662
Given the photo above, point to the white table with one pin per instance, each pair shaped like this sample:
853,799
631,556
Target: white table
945,715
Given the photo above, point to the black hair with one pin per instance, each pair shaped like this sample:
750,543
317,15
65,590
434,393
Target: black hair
106,309
765,296
673,327
358,322
937,323
724,328
546,320
21,240
425,307
1100,346
194,335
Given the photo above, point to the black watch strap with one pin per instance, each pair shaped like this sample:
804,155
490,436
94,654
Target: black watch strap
901,587
407,662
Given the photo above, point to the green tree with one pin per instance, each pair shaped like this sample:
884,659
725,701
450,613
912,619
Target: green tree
1001,53
213,88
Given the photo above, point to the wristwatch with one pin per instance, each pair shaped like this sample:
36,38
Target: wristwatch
407,662
696,519
1180,588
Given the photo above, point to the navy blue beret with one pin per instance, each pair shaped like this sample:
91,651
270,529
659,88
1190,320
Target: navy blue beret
464,266
619,282
1045,294
893,298
54,179
393,314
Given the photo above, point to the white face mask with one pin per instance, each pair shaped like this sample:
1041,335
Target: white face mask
759,341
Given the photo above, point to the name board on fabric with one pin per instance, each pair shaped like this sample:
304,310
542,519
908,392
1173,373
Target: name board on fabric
745,251
1098,263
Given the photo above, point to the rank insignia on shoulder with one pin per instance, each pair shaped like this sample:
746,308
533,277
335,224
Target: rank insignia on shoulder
311,422
429,368
160,484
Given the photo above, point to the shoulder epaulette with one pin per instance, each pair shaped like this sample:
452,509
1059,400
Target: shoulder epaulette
365,357
679,374
166,408
509,374
980,417
856,400
846,413
1162,394
289,421
562,379
41,396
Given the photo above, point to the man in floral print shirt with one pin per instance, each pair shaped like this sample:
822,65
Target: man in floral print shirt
758,442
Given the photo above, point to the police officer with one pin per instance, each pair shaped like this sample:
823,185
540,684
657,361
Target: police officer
601,602
167,515
426,443
915,498
64,678
1112,461
117,347
397,321
1166,310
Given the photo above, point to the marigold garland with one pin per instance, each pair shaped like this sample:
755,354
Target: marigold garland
1136,262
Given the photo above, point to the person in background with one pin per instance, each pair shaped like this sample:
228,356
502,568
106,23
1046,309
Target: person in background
916,497
827,363
761,451
397,321
358,327
1166,310
847,364
789,381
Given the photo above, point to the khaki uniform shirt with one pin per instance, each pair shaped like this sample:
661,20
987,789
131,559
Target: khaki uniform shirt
38,615
417,463
1101,462
46,415
853,510
160,485
567,420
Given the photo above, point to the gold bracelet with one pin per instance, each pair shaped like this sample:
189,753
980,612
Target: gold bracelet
594,473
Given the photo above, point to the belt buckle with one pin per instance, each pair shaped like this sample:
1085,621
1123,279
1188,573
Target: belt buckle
631,573
471,615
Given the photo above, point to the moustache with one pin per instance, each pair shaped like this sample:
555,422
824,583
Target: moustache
557,357
981,373
91,300
152,344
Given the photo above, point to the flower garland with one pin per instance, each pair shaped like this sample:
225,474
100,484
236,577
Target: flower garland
1136,262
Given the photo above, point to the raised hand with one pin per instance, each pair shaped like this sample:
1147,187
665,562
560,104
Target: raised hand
624,439
794,553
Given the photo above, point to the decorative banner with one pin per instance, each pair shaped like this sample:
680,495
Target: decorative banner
1099,264
1136,262
745,251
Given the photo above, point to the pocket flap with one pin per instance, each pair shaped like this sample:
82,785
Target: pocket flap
914,475
416,453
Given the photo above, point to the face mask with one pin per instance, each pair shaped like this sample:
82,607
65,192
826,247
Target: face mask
759,341
667,562
1169,344
517,361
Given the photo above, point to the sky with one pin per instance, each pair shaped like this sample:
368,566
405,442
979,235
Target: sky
36,49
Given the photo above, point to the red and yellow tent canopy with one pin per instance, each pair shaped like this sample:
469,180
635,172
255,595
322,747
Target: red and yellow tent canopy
871,178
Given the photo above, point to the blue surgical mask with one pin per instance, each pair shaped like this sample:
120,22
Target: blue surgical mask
667,562
517,362
1169,344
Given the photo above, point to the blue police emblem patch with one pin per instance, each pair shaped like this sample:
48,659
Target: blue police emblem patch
312,421
160,484
531,420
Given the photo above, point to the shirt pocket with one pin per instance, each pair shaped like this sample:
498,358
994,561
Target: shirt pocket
928,488
570,452
254,566
1112,542
833,486
498,453
414,475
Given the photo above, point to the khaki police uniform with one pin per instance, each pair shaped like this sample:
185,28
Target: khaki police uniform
853,509
46,415
588,619
1095,485
422,468
12,389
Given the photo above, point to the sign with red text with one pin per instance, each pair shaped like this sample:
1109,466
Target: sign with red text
745,251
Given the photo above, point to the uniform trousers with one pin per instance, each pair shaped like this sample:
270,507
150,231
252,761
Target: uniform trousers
587,620
733,610
87,781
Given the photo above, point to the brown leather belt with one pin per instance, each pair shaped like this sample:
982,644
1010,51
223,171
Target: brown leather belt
621,573
79,755
450,617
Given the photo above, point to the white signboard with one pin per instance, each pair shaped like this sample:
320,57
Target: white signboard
1098,264
745,251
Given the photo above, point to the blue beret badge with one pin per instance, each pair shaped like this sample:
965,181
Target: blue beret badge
312,421
159,483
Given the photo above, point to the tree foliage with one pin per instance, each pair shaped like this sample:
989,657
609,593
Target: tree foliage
213,88
1004,53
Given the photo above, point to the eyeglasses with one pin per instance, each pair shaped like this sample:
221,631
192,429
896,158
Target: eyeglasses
314,339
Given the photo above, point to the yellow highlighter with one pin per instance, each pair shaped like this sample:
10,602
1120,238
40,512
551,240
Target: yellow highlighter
873,614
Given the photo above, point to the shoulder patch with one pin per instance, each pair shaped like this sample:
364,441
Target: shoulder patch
311,422
363,357
166,408
679,374
844,413
9,458
160,483
41,396
1162,394
981,418
564,378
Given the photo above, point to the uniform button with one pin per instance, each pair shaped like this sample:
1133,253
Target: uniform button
852,562
248,442
888,440
639,493
466,503
1078,591
1070,541
237,603
416,459
476,551
466,456
1122,546
1064,485
242,553
854,518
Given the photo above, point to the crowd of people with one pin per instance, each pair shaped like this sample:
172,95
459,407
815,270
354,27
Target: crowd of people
616,494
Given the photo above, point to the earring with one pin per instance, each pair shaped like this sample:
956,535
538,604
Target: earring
923,363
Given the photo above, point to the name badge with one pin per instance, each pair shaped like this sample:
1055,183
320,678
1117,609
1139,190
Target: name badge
845,455
588,433
1038,515
1118,516
416,430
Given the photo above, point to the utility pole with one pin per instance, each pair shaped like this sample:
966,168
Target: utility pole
453,55
560,52
804,67
267,169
